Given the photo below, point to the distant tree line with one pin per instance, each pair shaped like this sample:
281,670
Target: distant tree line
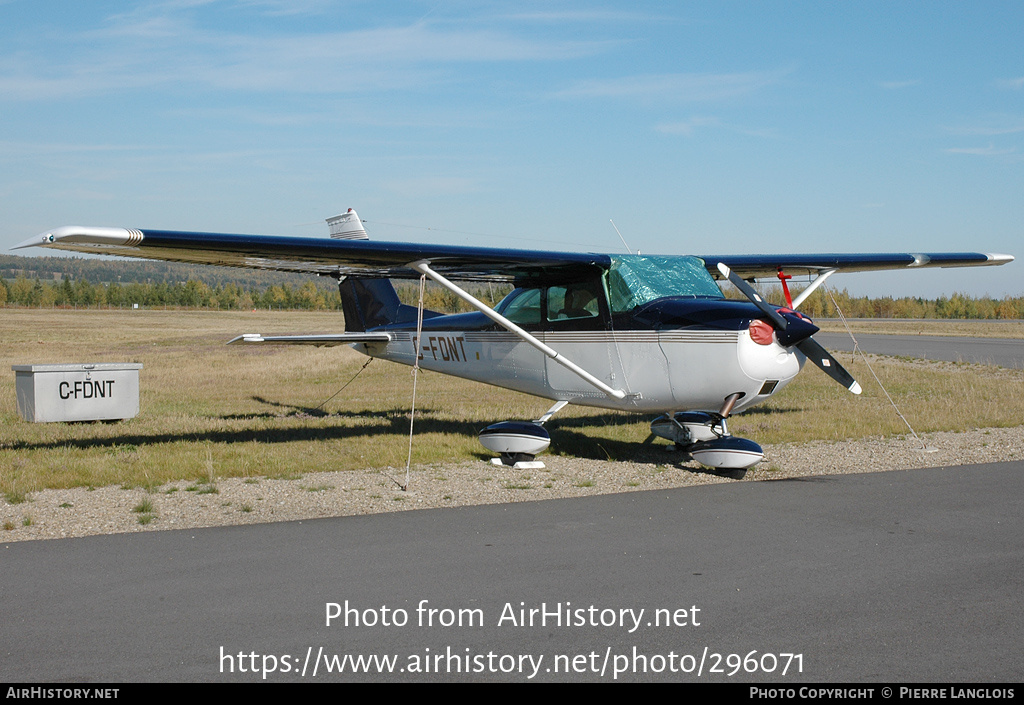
190,294
820,305
310,295
106,271
92,282
322,295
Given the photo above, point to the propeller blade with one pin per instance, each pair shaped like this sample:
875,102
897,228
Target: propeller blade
828,364
800,336
776,319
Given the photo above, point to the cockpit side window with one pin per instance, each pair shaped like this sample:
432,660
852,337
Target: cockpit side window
575,305
522,307
573,301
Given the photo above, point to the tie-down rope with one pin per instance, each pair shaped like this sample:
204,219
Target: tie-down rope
856,348
415,376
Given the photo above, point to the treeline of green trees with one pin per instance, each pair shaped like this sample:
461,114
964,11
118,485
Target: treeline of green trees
311,295
91,282
91,269
191,294
820,305
322,295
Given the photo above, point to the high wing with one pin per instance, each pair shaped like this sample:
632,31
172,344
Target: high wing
392,259
312,255
768,266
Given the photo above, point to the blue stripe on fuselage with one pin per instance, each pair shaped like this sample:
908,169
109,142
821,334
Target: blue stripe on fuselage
663,314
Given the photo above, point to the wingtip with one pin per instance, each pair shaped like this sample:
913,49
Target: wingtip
84,235
41,240
856,388
998,258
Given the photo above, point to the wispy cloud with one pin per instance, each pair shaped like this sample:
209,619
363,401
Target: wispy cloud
897,85
279,8
687,128
990,151
1013,84
41,148
690,127
602,16
432,186
687,87
419,44
163,46
1005,125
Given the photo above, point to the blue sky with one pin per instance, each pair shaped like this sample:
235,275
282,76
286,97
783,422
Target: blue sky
699,127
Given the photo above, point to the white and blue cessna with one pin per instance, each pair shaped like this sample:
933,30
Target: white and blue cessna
637,333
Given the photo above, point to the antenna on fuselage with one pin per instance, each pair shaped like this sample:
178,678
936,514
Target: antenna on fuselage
620,237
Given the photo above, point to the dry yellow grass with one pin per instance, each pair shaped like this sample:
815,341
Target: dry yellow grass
209,411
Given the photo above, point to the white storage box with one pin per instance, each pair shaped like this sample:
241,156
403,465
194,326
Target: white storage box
86,392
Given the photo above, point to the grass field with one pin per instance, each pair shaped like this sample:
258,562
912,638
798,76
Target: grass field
211,411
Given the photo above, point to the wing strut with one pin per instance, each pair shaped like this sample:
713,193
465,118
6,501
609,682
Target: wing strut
815,283
423,267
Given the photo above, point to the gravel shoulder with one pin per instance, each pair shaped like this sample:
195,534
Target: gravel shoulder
184,505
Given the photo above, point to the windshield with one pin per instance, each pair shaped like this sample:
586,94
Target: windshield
634,280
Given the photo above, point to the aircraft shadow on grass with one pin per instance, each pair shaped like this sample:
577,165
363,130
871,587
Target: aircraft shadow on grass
389,426
390,421
385,423
770,411
286,410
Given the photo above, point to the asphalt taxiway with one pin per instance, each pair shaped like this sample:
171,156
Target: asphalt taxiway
1004,352
889,577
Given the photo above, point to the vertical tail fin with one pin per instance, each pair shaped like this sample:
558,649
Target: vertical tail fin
367,303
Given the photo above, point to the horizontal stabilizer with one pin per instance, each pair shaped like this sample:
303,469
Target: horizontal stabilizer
322,340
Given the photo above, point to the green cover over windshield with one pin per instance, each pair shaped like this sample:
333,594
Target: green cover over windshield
634,280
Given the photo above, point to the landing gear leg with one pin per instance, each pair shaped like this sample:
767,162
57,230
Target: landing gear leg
559,405
705,436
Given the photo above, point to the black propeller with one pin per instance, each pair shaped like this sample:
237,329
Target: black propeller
828,364
794,330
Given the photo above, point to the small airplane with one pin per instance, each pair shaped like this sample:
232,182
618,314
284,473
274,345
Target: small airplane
642,333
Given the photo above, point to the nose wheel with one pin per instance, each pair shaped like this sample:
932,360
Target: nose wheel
705,436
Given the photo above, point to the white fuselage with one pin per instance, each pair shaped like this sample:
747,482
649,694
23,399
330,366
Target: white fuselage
660,371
